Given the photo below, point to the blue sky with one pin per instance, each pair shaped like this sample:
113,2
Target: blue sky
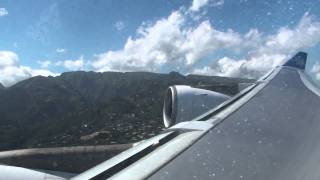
35,30
215,37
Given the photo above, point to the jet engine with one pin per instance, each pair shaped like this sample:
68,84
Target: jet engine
184,103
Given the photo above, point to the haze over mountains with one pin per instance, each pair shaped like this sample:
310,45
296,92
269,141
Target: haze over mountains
89,108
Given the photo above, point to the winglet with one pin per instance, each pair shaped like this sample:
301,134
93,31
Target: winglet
297,61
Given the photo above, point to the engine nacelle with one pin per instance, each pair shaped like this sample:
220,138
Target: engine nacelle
184,103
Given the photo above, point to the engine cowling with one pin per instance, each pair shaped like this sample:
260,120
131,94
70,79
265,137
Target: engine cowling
184,103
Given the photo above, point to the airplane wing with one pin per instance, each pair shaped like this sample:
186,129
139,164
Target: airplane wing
270,130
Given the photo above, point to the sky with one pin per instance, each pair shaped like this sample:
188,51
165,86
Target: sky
236,38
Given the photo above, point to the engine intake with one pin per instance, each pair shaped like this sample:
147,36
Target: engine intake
184,103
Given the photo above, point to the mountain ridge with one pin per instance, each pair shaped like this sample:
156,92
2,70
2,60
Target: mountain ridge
90,108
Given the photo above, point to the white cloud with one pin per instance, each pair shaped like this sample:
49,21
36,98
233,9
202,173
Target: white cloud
61,50
119,25
171,44
11,71
3,12
316,70
39,72
252,67
156,45
198,4
217,3
44,64
204,39
305,34
167,43
73,65
8,58
268,51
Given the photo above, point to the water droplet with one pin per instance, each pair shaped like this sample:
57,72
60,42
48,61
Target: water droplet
234,163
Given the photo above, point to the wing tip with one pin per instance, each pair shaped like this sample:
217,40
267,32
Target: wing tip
297,61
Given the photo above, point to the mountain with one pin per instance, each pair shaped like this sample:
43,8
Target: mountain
1,87
89,108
